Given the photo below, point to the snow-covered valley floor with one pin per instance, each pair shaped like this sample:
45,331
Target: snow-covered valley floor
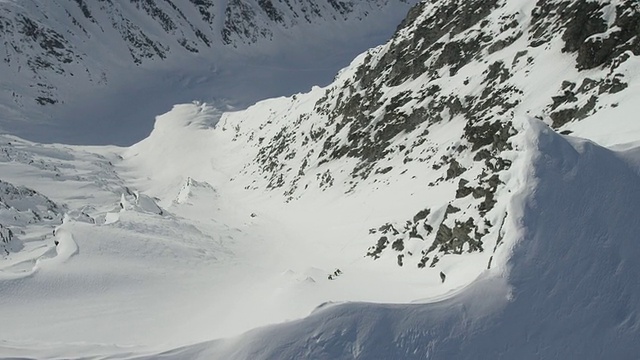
161,249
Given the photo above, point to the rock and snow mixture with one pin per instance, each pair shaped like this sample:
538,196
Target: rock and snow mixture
65,63
436,107
469,189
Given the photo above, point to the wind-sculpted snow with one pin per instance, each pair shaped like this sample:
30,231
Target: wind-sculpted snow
66,247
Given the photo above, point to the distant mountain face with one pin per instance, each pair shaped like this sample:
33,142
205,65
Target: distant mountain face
250,21
49,47
436,106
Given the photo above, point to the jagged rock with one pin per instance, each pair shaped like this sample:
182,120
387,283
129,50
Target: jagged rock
6,235
398,245
376,250
563,116
454,170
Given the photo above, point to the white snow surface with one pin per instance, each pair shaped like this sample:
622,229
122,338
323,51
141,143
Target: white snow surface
169,248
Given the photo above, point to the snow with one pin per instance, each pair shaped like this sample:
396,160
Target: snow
66,247
175,247
620,115
566,277
253,262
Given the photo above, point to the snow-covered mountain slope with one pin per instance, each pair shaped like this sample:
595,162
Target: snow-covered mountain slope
564,274
568,289
73,69
431,112
423,205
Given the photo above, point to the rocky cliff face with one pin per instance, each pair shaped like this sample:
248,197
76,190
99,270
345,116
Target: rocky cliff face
437,104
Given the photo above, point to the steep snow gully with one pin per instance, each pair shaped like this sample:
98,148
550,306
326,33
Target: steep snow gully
468,190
